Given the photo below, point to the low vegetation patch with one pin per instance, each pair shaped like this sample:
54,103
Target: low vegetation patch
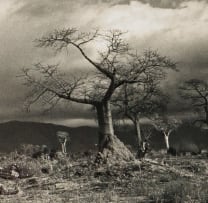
79,179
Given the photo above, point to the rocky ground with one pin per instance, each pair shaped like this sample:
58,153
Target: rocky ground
158,178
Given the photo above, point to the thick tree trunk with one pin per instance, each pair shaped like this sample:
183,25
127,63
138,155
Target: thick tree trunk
206,114
105,124
111,149
63,148
138,133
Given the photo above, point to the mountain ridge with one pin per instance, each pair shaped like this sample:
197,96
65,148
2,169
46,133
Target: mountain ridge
14,133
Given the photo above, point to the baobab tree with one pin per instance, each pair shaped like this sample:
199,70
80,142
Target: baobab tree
166,125
113,67
196,91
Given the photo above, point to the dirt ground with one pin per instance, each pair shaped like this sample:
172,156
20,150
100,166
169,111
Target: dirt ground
75,179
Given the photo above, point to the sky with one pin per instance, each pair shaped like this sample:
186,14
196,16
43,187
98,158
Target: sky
176,28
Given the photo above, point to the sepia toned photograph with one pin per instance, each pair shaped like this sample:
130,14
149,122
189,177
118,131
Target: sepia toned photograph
104,101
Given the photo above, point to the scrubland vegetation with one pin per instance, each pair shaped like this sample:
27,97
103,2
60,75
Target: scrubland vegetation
76,178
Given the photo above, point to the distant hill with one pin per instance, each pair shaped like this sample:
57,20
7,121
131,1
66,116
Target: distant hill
14,133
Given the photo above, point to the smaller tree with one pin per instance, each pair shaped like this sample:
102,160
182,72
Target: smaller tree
138,101
166,125
196,91
147,132
63,138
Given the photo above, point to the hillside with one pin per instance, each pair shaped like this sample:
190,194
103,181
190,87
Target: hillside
14,133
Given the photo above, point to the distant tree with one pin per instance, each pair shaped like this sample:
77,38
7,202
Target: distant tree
139,101
147,132
166,125
196,91
113,68
63,138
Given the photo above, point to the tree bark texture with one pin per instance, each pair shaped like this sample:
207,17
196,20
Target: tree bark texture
138,132
105,124
111,149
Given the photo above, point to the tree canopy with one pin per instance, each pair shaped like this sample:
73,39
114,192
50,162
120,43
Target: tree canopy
116,65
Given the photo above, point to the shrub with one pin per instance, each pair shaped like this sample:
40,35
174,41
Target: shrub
28,149
174,191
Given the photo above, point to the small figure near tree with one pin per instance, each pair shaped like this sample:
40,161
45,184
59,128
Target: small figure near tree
143,149
146,131
63,138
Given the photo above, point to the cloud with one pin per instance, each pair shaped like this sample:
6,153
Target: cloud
176,28
166,4
41,8
179,33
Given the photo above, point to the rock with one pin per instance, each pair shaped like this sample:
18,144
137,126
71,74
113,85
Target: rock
45,170
61,186
13,171
9,191
32,181
79,173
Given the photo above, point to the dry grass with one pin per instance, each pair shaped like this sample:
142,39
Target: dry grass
158,179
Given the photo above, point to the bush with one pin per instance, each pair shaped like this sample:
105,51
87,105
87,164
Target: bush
174,191
180,191
28,149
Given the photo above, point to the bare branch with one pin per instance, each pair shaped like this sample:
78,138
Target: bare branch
63,38
115,67
51,86
166,124
140,100
196,91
